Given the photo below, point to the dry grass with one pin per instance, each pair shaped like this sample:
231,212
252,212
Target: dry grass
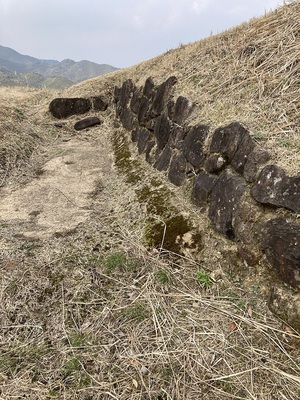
101,315
129,324
22,126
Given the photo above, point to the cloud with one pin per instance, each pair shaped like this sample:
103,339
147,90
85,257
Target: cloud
116,32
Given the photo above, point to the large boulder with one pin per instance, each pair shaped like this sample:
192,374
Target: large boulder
65,107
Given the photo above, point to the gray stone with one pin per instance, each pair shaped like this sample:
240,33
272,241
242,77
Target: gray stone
164,159
202,189
171,108
162,131
143,137
148,88
246,218
86,123
215,163
127,118
274,187
143,112
285,303
127,89
135,134
226,141
177,171
183,109
225,197
135,101
65,107
192,146
177,135
280,241
245,147
255,161
150,152
99,103
161,96
117,94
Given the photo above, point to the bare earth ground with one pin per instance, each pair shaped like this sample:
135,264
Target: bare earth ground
90,310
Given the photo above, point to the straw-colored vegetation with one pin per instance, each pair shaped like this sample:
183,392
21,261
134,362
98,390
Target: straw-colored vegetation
104,312
249,74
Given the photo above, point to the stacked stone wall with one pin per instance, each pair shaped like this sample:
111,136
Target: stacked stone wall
248,198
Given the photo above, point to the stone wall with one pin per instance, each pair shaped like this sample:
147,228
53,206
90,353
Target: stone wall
248,198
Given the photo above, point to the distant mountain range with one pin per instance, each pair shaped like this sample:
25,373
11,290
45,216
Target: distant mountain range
21,70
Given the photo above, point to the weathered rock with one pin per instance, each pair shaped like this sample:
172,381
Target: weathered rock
135,134
162,131
86,123
151,124
117,94
135,101
183,109
202,189
248,253
285,303
143,112
127,118
171,109
280,241
164,159
127,89
246,218
234,143
65,107
225,198
161,96
150,152
192,146
143,137
255,161
177,171
215,163
99,103
177,135
245,147
148,88
274,187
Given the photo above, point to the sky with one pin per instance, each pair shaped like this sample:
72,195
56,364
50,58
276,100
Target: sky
120,33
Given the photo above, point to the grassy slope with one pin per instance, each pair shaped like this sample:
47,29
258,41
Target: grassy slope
96,315
249,73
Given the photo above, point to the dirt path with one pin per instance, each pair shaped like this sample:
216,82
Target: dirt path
60,197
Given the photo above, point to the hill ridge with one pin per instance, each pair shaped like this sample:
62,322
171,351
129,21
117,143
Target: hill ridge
12,62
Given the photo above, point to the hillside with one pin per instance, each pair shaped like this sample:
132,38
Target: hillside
248,74
23,67
91,307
